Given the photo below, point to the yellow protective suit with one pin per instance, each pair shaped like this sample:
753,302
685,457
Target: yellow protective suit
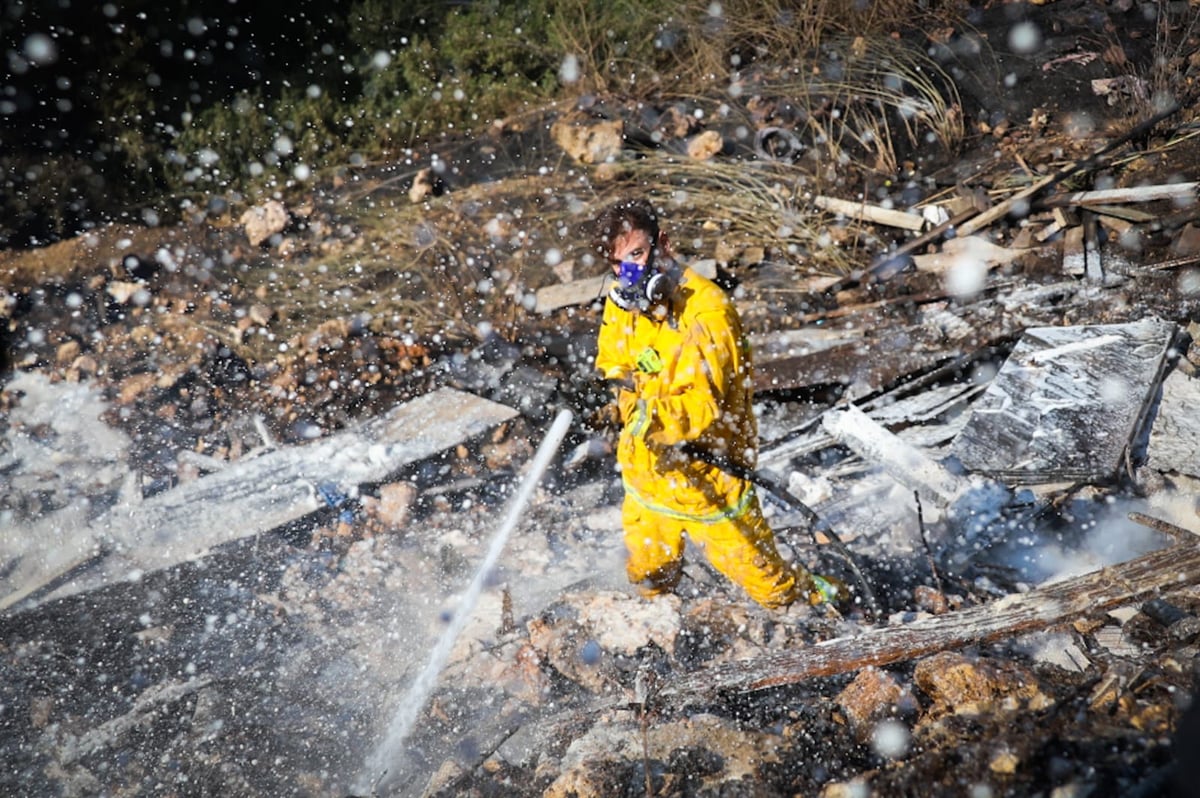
690,380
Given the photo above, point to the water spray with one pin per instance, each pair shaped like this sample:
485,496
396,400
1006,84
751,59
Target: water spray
378,766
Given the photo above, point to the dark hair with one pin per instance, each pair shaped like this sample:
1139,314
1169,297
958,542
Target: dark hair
622,217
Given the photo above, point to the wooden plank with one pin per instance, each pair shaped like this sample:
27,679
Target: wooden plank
1074,253
1112,196
926,435
1049,605
1093,258
113,732
851,364
871,213
1067,403
906,464
966,250
1002,209
802,341
246,498
576,292
1131,215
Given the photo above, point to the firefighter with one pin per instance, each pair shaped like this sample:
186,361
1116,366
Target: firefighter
671,345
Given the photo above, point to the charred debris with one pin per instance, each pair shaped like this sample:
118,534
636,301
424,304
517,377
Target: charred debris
991,431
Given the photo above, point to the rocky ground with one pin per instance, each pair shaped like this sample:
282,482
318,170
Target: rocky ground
280,664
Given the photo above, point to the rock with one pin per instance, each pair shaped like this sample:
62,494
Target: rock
705,145
289,247
82,366
961,685
725,252
564,270
601,762
263,221
134,386
588,140
587,768
872,696
582,635
260,314
930,600
426,184
846,789
123,290
67,353
513,669
444,777
753,256
675,123
1004,763
394,505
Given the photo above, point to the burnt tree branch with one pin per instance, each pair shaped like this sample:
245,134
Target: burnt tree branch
1135,580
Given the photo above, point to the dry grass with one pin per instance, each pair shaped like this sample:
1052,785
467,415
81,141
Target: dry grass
1176,55
743,203
867,97
857,102
749,33
455,267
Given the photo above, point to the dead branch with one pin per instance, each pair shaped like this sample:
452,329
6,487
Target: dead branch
1049,605
1178,534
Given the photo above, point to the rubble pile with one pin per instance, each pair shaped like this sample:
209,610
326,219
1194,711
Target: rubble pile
246,480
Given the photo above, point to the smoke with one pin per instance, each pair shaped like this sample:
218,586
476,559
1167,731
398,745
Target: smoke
1095,534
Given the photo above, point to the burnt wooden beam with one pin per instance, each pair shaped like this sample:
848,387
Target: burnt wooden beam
1108,196
67,553
906,464
1150,575
867,212
893,351
1178,534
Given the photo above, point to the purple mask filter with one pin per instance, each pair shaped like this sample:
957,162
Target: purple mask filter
630,274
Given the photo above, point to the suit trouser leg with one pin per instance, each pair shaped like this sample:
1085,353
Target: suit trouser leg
654,544
744,550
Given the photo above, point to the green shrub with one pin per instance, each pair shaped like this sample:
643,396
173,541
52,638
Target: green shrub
387,75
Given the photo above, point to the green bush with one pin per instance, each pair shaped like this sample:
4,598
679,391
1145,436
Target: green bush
386,75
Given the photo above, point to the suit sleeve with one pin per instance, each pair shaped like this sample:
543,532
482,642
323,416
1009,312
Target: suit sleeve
612,359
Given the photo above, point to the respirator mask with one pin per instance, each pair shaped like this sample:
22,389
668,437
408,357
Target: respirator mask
638,286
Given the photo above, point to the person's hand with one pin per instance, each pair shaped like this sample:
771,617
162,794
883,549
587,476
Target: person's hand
618,384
